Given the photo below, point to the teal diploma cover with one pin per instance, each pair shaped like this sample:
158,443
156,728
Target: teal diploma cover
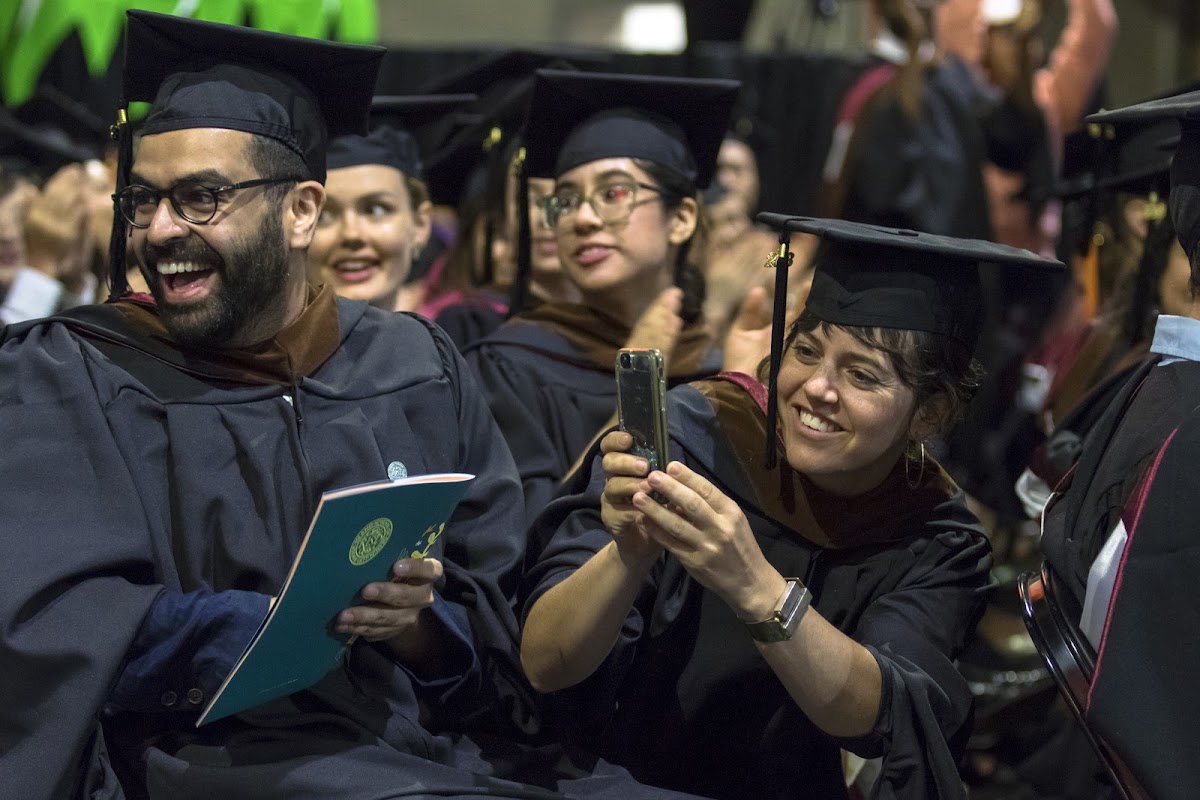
356,534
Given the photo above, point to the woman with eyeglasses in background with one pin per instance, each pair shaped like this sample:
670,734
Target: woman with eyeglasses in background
628,155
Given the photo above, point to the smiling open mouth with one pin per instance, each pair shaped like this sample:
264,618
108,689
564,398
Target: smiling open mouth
811,420
355,271
183,280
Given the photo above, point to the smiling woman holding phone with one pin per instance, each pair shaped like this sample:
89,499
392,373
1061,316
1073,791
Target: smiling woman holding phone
779,609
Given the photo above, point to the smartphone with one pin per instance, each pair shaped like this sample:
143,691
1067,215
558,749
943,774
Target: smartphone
642,403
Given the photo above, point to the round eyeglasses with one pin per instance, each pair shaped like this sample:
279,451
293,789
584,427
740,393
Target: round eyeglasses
612,202
193,201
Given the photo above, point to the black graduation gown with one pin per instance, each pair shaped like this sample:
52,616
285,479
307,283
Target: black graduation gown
1138,467
475,316
1143,698
926,176
551,387
128,473
685,700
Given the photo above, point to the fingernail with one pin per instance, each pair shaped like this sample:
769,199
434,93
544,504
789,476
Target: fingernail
370,592
643,466
401,568
656,478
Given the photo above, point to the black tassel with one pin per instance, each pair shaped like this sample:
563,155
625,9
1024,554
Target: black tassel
782,260
1144,299
118,284
519,292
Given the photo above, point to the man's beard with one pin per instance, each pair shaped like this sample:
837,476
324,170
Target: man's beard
243,295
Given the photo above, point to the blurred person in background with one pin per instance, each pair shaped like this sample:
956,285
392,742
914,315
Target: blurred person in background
1005,40
1119,537
57,215
500,264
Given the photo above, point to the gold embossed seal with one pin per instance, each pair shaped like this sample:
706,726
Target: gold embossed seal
370,540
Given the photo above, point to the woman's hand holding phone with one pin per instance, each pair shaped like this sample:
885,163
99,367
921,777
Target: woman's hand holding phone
624,473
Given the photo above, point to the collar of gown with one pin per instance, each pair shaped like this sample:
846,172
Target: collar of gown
292,354
599,336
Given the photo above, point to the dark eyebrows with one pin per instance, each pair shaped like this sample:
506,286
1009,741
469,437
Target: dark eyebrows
615,173
880,363
875,359
206,177
380,196
607,175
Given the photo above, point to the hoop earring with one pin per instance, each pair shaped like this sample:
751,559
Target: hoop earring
913,484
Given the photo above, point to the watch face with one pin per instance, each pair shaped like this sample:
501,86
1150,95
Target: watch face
783,624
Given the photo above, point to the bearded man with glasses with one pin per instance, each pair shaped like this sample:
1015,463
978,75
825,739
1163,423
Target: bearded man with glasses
214,262
165,454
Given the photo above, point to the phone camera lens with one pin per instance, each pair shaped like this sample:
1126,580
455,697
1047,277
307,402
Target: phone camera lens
626,360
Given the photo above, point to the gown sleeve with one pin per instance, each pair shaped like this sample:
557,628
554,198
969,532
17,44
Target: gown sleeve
77,567
187,641
484,555
526,423
915,632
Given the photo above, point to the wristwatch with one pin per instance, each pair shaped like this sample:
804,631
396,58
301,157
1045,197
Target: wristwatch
783,623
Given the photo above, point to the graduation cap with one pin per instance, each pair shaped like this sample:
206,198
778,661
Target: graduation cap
1185,165
403,129
752,130
1099,161
55,112
487,134
43,150
52,105
678,123
470,170
503,83
871,276
1138,160
207,75
199,74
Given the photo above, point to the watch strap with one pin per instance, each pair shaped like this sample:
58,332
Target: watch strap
780,626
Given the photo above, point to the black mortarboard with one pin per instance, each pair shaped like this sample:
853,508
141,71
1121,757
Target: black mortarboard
870,276
296,90
503,83
1082,157
404,130
198,74
44,150
495,71
678,123
1185,166
752,130
52,109
1098,161
470,171
1139,158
